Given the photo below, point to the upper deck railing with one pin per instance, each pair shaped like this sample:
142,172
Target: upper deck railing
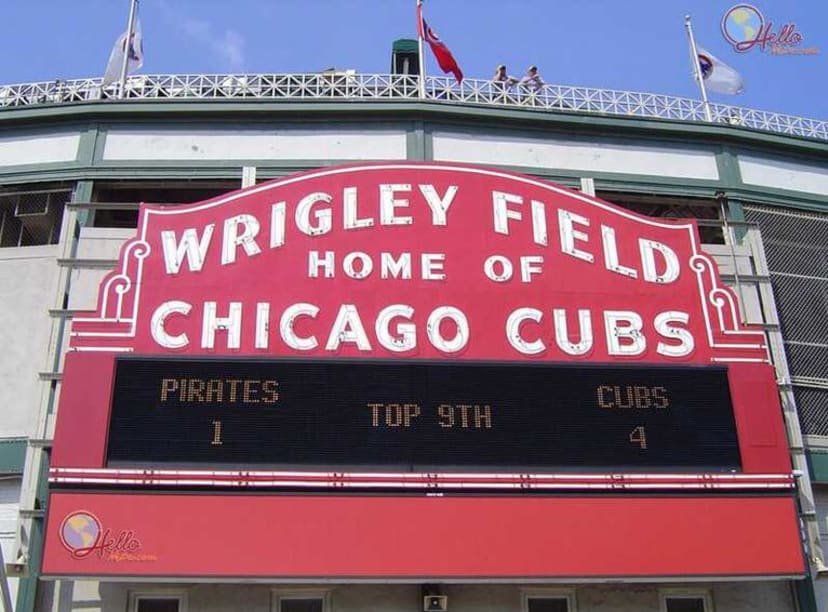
347,86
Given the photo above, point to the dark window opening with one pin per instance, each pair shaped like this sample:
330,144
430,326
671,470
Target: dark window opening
705,211
685,604
303,604
547,604
124,198
157,604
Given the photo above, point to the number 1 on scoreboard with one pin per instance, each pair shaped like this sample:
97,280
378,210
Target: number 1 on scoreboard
639,436
216,434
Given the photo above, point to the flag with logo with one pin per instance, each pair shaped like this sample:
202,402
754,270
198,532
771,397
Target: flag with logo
134,51
717,75
441,52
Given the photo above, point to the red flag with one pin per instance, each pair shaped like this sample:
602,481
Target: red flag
441,52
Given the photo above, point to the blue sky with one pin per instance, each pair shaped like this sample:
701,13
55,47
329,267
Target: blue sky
637,45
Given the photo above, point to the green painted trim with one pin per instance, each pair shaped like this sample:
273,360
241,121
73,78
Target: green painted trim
728,164
817,465
405,45
13,455
779,197
27,587
418,146
415,149
804,592
603,181
86,147
429,142
250,110
83,193
736,212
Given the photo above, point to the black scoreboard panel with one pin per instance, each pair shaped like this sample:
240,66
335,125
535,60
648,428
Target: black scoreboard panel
420,416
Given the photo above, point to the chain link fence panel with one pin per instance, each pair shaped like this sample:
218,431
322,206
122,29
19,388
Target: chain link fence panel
796,247
31,218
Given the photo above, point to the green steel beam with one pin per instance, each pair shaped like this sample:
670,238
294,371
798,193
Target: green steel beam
12,455
818,465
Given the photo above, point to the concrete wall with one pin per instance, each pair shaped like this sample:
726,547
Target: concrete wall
102,243
115,597
581,156
27,289
777,173
25,148
268,144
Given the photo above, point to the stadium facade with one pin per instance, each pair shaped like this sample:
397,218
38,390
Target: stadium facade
489,220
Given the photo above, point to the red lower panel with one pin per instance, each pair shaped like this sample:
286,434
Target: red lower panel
104,534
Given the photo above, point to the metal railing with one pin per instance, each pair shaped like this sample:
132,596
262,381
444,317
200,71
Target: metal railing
339,86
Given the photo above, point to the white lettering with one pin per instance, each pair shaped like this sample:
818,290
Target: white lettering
195,249
322,217
405,336
611,254
624,325
388,205
159,319
506,268
566,222
529,265
352,220
502,213
231,324
432,265
348,328
686,343
562,332
233,239
366,265
513,326
439,206
399,268
461,337
314,263
671,262
288,322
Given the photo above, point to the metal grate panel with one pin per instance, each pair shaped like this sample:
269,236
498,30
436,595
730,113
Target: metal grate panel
813,410
803,307
807,360
796,247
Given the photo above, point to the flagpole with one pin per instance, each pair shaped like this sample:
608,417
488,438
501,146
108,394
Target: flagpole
133,4
696,70
421,88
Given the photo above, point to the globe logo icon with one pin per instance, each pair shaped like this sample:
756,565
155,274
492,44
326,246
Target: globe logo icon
741,25
79,532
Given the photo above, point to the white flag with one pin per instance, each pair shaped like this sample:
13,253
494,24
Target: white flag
135,49
717,75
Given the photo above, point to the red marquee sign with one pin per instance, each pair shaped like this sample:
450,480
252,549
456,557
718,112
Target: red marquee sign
417,260
436,263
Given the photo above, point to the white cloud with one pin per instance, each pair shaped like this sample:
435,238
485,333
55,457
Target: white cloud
226,45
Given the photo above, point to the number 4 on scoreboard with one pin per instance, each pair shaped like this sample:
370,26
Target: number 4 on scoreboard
639,436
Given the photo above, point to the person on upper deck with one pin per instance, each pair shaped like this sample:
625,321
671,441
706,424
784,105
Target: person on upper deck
501,76
532,80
